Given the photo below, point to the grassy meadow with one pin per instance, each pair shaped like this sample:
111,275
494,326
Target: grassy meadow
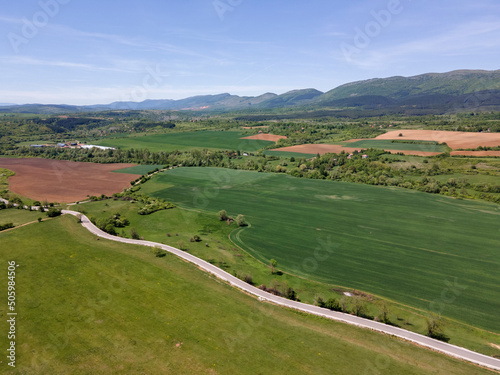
19,217
139,169
223,140
98,307
409,247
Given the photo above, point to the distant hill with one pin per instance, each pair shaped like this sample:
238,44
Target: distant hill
292,98
454,83
42,108
432,93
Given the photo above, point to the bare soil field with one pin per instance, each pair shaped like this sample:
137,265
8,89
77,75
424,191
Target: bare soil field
453,139
64,181
327,148
266,137
476,153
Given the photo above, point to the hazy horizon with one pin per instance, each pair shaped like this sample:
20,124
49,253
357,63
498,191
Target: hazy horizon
68,52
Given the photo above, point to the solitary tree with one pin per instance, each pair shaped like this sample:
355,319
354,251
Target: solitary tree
223,215
333,304
319,301
273,263
384,314
435,328
158,252
359,307
240,220
134,234
344,303
53,212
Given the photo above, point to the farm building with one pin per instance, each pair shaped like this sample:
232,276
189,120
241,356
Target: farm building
99,147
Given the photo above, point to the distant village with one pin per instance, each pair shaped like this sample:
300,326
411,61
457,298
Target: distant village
74,145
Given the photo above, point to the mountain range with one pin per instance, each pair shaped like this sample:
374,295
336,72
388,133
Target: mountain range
438,93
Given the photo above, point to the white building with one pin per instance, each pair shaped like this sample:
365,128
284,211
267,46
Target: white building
99,147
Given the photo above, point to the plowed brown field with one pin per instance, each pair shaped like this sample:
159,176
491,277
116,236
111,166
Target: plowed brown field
453,139
64,181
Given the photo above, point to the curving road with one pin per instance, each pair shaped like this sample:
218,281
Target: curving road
443,347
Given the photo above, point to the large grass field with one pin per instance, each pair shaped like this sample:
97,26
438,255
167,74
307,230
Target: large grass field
410,247
19,217
427,146
139,169
100,307
223,140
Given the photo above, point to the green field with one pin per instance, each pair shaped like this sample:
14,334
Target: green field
223,140
400,244
139,169
100,307
19,217
287,154
395,145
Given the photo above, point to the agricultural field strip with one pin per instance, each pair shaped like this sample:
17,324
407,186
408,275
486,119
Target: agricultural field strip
207,139
451,350
393,270
351,235
428,146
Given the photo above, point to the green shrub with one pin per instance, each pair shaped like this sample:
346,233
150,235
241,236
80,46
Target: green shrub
333,304
240,220
153,205
223,215
134,234
6,226
158,252
53,212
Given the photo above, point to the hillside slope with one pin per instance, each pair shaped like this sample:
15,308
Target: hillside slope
432,93
99,307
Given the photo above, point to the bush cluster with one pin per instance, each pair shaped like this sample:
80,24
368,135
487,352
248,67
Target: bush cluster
6,226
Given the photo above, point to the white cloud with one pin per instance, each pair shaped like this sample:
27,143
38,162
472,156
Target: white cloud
459,41
11,20
25,60
138,43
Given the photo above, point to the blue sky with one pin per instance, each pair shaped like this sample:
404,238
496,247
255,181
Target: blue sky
88,52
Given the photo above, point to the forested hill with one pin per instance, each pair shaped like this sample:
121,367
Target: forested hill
432,93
